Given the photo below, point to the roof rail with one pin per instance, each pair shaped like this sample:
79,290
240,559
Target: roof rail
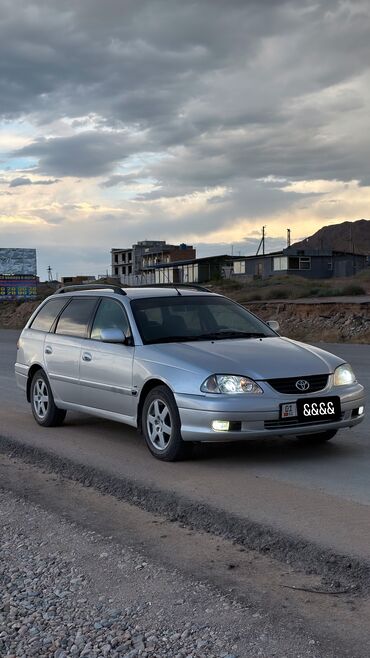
92,286
193,286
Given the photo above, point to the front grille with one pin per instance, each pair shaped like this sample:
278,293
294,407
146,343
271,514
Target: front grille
294,422
288,384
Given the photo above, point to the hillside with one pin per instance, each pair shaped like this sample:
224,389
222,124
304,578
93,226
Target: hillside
347,236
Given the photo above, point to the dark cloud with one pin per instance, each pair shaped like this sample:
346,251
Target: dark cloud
22,180
118,179
86,154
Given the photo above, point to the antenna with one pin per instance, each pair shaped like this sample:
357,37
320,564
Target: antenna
171,283
288,237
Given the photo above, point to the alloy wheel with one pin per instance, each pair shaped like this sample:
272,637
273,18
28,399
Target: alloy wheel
159,424
40,398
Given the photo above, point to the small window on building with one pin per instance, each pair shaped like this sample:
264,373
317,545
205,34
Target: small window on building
305,263
239,266
116,258
116,271
293,263
280,263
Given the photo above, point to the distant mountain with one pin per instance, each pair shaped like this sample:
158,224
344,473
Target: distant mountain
347,236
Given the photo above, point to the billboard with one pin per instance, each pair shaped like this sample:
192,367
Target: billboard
18,262
18,271
21,286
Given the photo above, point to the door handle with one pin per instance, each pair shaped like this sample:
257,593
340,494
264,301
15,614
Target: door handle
48,349
86,356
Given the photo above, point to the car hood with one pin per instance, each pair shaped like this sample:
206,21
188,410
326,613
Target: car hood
258,358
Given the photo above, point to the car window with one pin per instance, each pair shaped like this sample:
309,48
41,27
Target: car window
226,317
75,318
186,318
110,315
46,316
191,318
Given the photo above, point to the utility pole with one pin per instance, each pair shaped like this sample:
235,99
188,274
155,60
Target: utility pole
288,237
262,242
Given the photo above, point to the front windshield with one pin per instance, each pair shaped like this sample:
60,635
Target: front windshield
187,318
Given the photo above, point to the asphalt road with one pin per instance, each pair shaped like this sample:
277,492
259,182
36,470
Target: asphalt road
321,494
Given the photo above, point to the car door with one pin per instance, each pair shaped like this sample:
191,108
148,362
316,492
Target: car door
106,368
62,349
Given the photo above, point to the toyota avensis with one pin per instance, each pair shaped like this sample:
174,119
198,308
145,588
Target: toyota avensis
182,365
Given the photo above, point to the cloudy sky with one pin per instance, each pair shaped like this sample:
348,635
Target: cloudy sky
193,121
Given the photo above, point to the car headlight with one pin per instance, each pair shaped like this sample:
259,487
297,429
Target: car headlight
231,384
344,375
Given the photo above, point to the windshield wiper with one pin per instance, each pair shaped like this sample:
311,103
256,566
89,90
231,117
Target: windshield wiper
227,333
214,335
172,339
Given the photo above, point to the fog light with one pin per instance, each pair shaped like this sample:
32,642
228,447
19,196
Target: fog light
221,425
361,411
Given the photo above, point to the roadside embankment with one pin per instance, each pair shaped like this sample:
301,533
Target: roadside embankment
14,315
319,320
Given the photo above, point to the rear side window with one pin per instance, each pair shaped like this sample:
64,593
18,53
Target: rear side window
46,316
75,319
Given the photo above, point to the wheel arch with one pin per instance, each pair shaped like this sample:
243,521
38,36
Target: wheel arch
33,369
148,386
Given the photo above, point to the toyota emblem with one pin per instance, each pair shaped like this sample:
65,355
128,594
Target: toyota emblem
302,385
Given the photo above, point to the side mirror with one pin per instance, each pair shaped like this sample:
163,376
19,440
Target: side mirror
112,336
273,324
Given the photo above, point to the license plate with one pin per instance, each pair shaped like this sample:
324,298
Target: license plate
318,409
312,409
288,410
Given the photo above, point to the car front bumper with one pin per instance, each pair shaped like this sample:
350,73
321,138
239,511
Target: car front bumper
259,416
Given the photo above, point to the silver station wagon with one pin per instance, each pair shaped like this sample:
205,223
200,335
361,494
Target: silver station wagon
181,364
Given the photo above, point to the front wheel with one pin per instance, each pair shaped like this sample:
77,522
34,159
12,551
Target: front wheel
44,410
162,427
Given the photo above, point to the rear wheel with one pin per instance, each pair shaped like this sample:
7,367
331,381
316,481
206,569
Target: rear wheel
162,427
44,410
320,438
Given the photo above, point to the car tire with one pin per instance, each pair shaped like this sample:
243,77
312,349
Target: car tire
44,409
161,426
320,438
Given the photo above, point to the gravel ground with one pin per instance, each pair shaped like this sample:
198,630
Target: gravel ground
50,606
67,592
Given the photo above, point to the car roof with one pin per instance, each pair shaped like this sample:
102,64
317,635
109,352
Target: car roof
139,292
